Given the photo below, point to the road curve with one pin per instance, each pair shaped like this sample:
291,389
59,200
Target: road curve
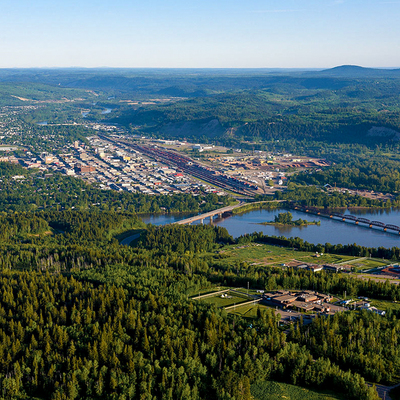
128,240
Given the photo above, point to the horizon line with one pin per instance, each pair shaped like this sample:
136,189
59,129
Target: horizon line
201,68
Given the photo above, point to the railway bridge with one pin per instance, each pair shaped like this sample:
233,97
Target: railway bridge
348,218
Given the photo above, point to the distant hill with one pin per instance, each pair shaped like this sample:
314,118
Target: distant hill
176,91
355,71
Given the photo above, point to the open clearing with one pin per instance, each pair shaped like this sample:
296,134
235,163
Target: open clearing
264,254
283,391
225,301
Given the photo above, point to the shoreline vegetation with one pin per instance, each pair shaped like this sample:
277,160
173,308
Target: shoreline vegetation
286,219
267,205
297,222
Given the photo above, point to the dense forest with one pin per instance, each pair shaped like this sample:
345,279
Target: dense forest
378,172
363,342
320,197
195,239
331,110
121,326
66,339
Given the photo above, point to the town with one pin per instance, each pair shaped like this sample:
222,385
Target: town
114,160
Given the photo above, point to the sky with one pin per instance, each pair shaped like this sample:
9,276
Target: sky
200,33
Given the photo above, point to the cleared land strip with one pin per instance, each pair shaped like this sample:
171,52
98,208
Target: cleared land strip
254,296
203,296
352,261
243,304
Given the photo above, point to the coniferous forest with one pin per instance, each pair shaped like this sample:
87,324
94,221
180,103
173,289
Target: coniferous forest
83,317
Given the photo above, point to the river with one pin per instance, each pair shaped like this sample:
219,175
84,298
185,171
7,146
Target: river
331,231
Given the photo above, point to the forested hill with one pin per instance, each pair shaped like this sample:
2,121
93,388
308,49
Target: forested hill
317,107
341,104
355,71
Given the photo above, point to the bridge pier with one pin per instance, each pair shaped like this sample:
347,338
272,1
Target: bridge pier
220,215
202,221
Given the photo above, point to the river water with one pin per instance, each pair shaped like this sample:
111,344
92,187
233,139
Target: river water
331,231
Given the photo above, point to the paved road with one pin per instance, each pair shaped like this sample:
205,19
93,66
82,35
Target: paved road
128,240
221,211
383,391
208,214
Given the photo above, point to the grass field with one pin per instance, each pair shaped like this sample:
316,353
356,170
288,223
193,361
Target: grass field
279,391
385,305
248,311
264,254
225,302
369,263
200,292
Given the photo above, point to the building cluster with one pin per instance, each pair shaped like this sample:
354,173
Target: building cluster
391,270
117,167
265,161
311,301
304,301
368,307
362,304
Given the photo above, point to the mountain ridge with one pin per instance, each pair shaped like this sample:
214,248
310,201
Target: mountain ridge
356,71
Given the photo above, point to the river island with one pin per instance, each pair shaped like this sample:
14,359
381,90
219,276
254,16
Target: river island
286,219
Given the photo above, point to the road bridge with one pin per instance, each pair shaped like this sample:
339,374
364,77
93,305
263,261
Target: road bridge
220,212
210,214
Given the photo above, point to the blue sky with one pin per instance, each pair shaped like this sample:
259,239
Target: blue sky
200,34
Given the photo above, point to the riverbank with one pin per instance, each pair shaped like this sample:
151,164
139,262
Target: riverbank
266,205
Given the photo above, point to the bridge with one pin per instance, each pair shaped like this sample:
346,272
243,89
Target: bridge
220,212
347,218
211,215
